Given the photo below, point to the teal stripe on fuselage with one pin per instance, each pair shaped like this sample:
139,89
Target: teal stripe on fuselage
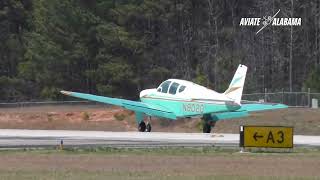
188,108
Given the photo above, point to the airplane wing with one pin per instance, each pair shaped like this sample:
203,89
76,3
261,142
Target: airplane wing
136,106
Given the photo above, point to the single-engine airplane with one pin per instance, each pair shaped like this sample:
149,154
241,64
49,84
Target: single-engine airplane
176,98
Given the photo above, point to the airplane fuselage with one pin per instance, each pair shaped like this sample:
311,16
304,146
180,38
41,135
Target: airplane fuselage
186,99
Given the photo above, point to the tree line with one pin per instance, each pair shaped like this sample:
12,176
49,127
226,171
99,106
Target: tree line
120,47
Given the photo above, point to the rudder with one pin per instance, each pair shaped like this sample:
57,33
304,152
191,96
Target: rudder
235,89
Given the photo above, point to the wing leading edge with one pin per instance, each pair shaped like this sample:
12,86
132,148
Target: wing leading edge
136,106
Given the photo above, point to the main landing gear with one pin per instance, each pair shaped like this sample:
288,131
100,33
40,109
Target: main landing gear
207,126
208,123
143,127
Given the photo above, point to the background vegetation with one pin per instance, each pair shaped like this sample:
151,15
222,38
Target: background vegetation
119,47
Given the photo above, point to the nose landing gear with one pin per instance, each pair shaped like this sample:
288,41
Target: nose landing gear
142,127
148,128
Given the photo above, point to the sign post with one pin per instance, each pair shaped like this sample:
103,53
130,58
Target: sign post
266,136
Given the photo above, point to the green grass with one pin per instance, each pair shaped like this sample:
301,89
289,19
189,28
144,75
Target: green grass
134,174
96,175
174,151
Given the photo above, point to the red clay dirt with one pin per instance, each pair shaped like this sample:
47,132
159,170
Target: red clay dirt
98,117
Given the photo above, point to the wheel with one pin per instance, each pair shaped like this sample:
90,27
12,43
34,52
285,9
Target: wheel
206,127
148,128
142,127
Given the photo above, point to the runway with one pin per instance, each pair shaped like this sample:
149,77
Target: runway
16,138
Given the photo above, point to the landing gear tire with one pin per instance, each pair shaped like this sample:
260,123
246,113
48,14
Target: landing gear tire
206,128
148,128
142,127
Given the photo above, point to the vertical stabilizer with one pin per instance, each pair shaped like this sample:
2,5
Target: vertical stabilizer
235,89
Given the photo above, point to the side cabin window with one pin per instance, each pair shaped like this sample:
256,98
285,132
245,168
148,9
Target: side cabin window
173,88
164,87
182,88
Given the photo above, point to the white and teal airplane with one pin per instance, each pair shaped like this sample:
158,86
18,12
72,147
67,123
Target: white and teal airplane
175,99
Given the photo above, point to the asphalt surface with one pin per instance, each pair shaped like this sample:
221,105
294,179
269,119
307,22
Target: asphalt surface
16,138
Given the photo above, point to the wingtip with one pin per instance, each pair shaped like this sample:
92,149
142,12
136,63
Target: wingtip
65,92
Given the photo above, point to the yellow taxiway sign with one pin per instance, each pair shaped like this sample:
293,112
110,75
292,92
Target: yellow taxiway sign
266,136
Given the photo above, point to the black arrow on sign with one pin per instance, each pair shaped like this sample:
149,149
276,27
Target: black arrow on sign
255,136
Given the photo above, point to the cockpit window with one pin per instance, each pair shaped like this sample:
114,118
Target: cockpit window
164,87
182,88
173,88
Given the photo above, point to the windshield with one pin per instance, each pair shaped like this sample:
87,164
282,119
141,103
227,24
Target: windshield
164,87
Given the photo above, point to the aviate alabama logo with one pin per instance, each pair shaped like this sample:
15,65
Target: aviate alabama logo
273,20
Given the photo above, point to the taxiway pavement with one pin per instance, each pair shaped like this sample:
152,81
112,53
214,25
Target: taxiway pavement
18,138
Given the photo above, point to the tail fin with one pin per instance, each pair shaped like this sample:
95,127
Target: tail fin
235,89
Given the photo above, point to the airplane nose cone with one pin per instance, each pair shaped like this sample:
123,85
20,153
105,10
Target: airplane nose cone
143,93
146,92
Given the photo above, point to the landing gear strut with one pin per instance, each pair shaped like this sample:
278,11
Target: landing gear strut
206,128
148,129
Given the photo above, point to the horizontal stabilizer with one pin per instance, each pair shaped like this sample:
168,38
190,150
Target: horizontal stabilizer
245,109
252,107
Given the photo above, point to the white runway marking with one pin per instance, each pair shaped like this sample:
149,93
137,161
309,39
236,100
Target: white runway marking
18,137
